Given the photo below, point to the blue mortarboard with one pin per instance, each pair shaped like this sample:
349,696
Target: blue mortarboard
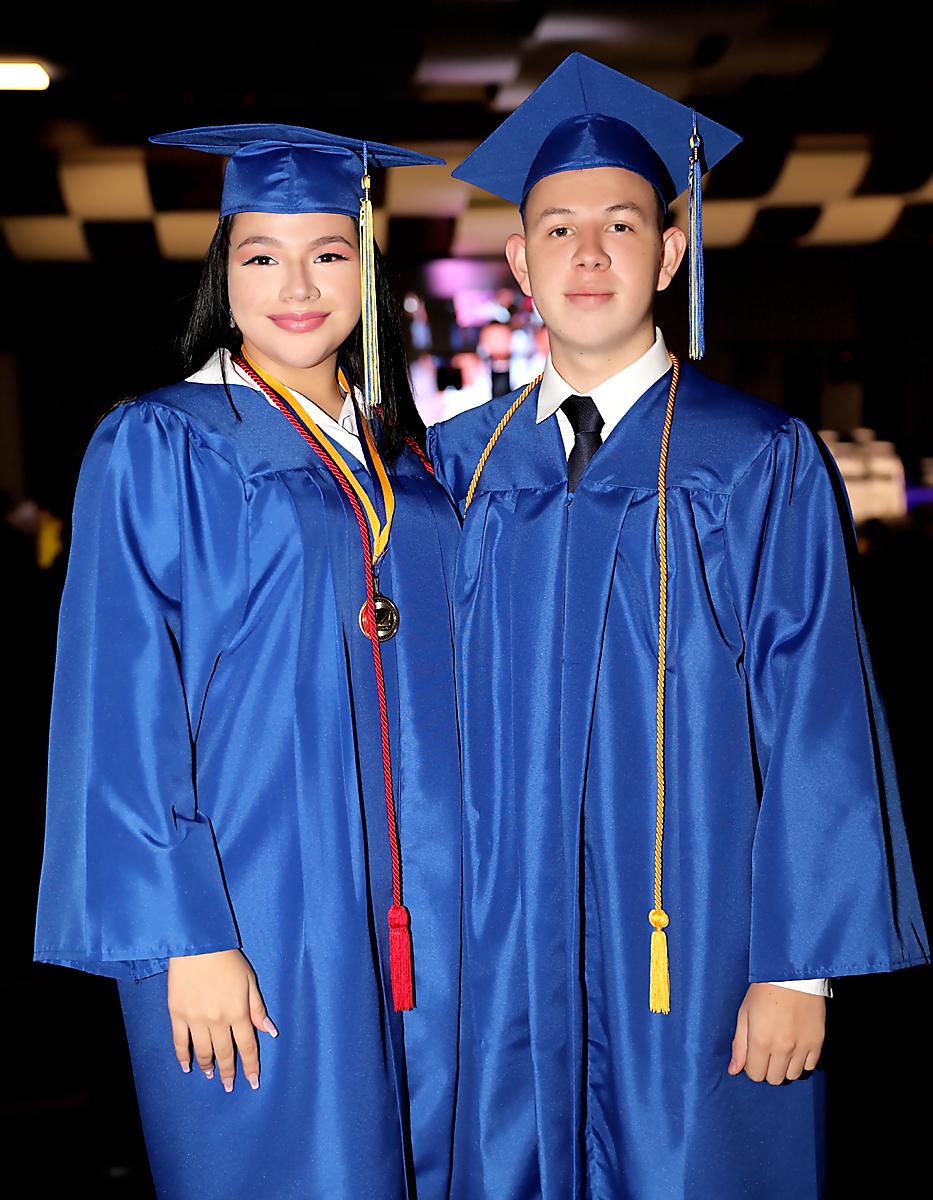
289,169
586,115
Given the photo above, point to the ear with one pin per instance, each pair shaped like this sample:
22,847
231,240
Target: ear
673,248
515,253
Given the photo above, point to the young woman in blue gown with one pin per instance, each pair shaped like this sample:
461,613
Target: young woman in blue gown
245,776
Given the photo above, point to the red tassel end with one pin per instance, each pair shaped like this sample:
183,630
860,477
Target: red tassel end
400,967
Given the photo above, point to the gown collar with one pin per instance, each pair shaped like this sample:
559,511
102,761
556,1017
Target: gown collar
615,395
343,431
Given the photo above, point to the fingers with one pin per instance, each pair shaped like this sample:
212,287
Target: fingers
758,1058
181,1040
215,1004
257,1010
779,1034
777,1068
740,1043
219,1043
245,1038
203,1049
224,1054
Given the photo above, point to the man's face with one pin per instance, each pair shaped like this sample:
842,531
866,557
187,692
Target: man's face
592,257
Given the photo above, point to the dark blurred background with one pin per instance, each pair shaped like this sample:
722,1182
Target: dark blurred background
819,236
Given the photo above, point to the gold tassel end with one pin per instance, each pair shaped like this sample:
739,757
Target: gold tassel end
659,989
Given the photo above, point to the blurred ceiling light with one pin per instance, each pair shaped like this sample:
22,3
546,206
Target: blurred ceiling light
727,222
106,184
856,221
816,176
768,53
46,239
592,27
582,22
184,236
482,232
923,195
426,191
466,66
23,77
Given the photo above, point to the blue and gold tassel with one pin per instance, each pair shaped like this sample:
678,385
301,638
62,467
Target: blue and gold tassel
695,243
372,395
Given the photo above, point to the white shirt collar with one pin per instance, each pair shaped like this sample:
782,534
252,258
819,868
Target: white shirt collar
615,395
211,373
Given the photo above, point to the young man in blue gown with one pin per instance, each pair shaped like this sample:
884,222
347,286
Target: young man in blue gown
663,682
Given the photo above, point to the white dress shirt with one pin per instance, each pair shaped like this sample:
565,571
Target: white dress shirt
342,431
613,398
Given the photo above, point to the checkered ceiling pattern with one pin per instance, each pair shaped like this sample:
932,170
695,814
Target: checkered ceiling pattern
118,201
834,155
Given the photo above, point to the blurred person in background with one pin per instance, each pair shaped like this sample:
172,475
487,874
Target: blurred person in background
253,738
495,347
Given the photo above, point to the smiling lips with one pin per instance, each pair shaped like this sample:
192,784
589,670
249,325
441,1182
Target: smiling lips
589,299
299,322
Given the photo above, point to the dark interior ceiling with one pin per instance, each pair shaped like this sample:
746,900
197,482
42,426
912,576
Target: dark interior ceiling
784,74
435,70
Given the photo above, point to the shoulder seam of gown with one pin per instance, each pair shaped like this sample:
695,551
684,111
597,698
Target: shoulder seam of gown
184,418
773,436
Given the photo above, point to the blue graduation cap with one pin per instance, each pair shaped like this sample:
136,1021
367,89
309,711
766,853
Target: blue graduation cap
289,169
586,115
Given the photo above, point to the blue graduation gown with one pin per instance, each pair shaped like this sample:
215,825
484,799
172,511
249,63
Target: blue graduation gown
216,781
784,848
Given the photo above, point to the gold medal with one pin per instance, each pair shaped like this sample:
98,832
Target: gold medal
387,618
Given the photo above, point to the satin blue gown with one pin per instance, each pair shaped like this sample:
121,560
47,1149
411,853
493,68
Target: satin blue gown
784,851
216,781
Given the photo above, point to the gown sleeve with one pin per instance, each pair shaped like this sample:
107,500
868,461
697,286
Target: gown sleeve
156,588
832,887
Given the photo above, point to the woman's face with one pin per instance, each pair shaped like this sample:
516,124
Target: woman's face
294,285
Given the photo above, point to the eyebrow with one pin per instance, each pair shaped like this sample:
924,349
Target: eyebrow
555,212
259,240
622,206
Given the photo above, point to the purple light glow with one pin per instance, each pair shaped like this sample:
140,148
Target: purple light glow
445,277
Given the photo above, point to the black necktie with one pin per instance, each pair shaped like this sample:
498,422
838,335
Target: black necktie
586,424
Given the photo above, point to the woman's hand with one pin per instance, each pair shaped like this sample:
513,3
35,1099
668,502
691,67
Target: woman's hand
214,1000
778,1034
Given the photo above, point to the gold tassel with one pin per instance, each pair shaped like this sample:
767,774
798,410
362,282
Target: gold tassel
372,396
659,991
659,988
695,244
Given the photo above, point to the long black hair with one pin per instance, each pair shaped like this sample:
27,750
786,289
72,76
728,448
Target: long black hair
209,329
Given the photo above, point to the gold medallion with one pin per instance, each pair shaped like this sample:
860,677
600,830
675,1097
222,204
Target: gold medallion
387,618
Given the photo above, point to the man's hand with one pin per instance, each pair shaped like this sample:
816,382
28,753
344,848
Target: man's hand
215,1007
778,1034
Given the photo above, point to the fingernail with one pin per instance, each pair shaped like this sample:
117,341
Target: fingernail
186,1067
732,1066
228,1085
253,1082
209,1074
270,1028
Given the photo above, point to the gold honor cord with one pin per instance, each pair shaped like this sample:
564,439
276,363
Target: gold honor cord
659,983
659,987
526,392
380,533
